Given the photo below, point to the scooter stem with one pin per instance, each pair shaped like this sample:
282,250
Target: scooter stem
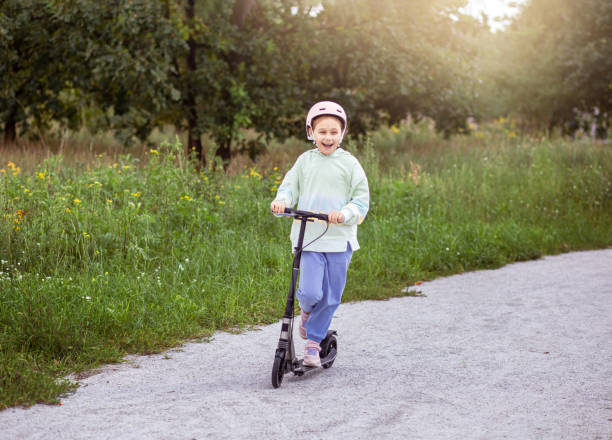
296,270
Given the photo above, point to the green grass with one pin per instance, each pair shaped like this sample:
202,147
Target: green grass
109,259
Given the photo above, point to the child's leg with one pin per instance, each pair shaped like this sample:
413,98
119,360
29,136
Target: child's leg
321,288
312,271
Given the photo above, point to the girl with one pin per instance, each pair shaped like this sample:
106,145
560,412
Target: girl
324,179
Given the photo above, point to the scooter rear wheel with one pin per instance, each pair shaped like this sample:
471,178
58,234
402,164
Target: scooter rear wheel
278,370
332,344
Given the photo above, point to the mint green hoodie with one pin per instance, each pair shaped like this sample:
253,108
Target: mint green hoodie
321,183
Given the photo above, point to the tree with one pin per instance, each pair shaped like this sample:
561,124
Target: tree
62,57
220,68
261,64
33,70
233,75
386,59
554,60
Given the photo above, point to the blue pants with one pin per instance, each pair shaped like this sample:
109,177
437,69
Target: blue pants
322,281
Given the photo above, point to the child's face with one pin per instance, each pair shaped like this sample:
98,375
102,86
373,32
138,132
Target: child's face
327,132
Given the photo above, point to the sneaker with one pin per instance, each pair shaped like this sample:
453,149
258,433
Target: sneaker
311,354
303,319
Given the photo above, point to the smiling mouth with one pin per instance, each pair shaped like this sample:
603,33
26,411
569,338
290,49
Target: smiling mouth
328,145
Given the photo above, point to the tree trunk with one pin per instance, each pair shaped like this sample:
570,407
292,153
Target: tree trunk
194,141
10,126
239,14
240,11
552,123
225,152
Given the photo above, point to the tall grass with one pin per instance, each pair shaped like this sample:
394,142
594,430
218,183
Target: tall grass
139,254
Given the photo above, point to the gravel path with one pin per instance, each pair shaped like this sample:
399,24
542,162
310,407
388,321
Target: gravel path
521,352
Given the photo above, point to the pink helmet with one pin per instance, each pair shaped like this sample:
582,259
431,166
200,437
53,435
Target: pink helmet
325,108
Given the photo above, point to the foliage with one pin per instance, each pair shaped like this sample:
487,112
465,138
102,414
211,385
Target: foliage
69,60
32,67
388,59
135,257
243,72
220,67
553,62
235,73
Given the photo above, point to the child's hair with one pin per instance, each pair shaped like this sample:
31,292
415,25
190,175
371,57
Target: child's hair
314,121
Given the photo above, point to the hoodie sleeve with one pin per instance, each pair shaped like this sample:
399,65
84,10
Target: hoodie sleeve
359,202
289,189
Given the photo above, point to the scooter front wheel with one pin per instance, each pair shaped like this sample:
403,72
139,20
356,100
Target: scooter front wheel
278,369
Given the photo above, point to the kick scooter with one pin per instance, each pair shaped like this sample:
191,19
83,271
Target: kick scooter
285,359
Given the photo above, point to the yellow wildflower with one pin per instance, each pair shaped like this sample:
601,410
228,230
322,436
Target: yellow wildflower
152,151
76,201
136,194
14,168
68,210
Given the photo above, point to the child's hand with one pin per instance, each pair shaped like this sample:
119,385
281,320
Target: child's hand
335,217
277,207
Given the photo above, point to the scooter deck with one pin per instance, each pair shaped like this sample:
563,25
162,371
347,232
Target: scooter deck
301,368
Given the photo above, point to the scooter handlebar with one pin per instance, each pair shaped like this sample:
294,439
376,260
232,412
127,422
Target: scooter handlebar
305,214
